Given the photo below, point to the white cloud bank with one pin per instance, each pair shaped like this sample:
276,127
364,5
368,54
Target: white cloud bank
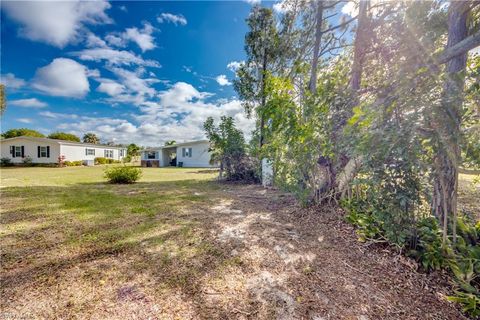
62,77
56,22
176,19
177,113
28,103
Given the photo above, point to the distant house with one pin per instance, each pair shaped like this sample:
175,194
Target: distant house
194,154
44,150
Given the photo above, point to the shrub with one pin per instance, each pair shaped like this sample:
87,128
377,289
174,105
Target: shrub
100,160
5,162
123,174
27,161
127,159
73,163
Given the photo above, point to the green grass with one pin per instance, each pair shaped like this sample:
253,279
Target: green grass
38,176
54,219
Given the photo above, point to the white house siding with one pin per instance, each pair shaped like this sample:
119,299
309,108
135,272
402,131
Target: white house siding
200,156
78,152
30,150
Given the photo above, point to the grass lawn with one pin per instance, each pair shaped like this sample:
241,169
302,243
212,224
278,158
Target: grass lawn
178,245
61,227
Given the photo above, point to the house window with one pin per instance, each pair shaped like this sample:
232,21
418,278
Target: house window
18,151
151,154
90,152
122,153
108,153
187,152
43,152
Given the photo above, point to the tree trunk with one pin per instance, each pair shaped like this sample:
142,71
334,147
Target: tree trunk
263,97
448,121
312,86
360,47
349,167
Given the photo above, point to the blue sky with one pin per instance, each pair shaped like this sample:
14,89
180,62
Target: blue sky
143,72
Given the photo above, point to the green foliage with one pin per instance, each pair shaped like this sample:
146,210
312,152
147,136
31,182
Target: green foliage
91,138
102,160
171,142
227,146
5,162
123,174
21,132
64,136
470,302
73,163
127,159
429,250
133,150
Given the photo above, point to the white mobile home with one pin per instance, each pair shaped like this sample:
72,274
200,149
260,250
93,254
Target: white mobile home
194,154
44,150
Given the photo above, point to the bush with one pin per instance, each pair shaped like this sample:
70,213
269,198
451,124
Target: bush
127,159
5,162
100,160
27,161
73,163
123,174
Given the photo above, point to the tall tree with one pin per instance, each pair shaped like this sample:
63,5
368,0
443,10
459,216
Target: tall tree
91,138
261,46
312,86
449,119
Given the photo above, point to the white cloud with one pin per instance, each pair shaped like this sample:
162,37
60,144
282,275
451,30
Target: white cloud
11,82
115,40
222,80
177,113
94,41
57,115
176,19
234,65
110,87
56,22
25,120
62,77
114,57
142,37
28,103
253,2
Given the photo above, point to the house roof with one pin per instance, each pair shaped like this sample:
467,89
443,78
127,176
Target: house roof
181,144
62,142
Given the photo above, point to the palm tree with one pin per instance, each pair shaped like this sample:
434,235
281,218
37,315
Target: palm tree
91,138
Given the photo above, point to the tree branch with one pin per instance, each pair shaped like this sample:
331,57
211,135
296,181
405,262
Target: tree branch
461,47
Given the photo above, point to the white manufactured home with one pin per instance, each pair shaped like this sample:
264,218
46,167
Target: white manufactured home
194,154
44,150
